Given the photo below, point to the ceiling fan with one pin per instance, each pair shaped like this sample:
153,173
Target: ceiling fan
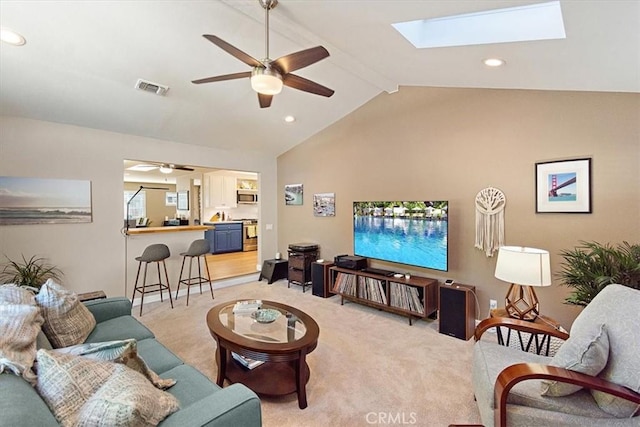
163,167
268,76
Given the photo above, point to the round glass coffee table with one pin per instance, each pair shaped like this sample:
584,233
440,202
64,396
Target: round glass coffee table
277,335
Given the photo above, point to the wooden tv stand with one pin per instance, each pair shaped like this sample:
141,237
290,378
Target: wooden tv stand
416,297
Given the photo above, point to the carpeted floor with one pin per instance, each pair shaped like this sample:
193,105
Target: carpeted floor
370,367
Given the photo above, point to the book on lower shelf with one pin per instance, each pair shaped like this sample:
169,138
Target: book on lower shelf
245,361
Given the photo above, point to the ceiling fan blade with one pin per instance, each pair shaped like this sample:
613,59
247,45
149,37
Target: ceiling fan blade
234,51
265,100
223,77
301,59
183,168
305,85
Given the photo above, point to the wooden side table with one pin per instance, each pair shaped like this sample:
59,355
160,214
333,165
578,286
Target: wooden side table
90,296
274,269
542,342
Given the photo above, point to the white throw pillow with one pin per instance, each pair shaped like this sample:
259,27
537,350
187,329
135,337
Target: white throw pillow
66,320
83,391
586,353
20,322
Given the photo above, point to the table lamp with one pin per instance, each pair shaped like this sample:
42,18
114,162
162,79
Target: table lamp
524,268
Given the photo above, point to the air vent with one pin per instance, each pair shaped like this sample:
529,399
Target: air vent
148,86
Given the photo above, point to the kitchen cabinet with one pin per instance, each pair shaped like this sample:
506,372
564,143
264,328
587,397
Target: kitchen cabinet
226,237
219,191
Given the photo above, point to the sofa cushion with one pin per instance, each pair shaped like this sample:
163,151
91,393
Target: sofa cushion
119,328
20,323
66,320
489,359
158,357
125,352
191,385
586,353
112,394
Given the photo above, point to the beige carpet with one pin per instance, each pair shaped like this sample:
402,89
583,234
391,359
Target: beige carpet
370,367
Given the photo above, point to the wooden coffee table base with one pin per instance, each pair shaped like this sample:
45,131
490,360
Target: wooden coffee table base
270,378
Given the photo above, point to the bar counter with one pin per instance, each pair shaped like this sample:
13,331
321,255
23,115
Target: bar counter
169,229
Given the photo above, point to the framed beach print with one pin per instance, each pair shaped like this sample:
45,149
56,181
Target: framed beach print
25,200
563,186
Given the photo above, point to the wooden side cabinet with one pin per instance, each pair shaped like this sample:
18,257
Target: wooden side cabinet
300,267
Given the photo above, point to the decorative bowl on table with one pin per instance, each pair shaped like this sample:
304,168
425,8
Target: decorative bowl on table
265,315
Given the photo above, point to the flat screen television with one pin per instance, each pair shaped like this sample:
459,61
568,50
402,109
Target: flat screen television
405,232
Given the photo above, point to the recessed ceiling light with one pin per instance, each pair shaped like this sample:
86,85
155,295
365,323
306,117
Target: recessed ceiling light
289,119
494,62
9,36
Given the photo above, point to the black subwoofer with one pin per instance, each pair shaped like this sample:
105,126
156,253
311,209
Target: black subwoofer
457,313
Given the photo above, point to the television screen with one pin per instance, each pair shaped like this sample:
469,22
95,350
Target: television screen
408,232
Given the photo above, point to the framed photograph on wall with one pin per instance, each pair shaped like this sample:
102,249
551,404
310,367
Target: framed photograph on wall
44,201
183,200
324,204
170,198
563,186
293,194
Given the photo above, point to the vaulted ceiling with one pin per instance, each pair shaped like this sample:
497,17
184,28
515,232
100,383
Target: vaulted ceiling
83,58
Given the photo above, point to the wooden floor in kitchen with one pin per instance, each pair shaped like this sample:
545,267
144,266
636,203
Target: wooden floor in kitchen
224,266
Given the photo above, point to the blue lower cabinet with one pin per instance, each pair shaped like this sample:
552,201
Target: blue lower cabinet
226,238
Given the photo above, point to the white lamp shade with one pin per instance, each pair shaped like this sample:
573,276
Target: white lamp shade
523,266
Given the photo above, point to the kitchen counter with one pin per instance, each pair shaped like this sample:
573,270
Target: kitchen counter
169,229
234,221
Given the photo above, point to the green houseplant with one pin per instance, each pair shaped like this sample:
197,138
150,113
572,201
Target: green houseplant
30,273
591,266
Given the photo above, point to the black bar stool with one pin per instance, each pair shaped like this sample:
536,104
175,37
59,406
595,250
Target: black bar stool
153,253
198,248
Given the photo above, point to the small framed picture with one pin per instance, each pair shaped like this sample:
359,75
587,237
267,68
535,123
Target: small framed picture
324,204
170,198
563,186
183,200
293,194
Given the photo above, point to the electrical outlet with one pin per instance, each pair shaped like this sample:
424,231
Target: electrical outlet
493,304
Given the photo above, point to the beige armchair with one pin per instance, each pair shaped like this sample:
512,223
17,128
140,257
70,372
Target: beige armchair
601,388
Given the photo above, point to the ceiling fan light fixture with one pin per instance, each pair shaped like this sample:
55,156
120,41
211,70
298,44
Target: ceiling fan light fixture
165,169
266,81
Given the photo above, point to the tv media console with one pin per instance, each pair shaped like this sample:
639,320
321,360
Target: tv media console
416,297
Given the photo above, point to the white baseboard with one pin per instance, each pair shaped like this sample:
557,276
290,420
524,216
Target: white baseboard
218,284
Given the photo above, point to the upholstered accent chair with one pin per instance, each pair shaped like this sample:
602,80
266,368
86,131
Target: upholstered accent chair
593,379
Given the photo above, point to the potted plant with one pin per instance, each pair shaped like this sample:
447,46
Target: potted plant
29,273
591,266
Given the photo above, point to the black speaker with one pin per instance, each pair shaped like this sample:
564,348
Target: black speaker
457,314
320,279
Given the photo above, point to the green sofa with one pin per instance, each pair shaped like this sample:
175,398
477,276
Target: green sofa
202,402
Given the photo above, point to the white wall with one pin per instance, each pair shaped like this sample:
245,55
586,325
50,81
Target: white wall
92,256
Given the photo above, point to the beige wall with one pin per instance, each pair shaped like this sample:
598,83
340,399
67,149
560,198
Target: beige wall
92,256
157,210
448,144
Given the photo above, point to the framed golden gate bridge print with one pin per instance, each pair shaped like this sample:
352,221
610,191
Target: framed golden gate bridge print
563,186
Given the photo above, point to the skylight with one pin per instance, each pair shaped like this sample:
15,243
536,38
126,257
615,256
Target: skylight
542,21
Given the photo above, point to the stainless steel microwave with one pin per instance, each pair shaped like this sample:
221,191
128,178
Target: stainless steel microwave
247,196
